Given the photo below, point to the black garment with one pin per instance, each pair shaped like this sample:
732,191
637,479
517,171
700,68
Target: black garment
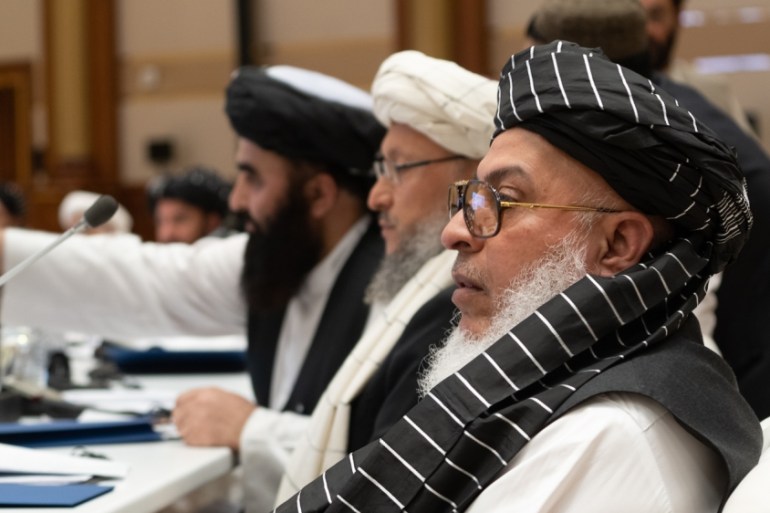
340,327
392,390
744,295
674,374
332,130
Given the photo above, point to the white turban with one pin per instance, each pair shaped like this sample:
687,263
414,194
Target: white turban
76,202
445,102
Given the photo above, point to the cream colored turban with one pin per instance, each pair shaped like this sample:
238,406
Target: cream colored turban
76,202
449,104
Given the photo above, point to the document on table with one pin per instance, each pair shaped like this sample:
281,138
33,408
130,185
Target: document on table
25,463
138,402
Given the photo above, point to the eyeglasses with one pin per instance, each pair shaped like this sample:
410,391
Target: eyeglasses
482,207
388,170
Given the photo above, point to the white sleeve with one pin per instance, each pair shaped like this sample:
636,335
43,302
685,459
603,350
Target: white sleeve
618,452
267,441
706,313
116,286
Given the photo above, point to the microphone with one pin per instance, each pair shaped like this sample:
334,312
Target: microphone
97,214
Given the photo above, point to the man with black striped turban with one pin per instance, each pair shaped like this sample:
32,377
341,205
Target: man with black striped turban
576,379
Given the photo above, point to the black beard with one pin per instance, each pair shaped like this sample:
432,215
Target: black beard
660,54
279,257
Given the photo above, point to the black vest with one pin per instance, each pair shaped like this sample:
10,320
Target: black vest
340,327
676,374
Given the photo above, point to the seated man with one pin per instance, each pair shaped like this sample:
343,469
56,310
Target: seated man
576,379
294,284
737,320
189,205
439,128
439,125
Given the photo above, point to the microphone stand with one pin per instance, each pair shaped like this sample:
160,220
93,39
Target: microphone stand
12,401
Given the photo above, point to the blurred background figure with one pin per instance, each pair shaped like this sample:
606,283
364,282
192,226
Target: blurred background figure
190,205
663,22
12,205
75,203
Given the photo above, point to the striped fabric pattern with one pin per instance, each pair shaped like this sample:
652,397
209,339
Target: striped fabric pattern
455,441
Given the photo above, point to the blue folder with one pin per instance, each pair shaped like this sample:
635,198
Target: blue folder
48,495
70,432
156,360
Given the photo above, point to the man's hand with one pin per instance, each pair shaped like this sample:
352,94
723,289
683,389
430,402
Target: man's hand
211,416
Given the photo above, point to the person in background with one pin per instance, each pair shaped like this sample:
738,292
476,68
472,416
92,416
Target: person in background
12,205
733,313
188,205
75,203
663,24
576,379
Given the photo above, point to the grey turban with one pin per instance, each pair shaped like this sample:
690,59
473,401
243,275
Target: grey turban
443,101
305,115
652,151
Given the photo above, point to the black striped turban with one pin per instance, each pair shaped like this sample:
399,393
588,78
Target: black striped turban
652,151
305,115
468,428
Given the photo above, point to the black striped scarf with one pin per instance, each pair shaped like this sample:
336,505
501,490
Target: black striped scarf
455,441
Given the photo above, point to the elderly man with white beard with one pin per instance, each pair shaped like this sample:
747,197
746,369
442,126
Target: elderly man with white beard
576,379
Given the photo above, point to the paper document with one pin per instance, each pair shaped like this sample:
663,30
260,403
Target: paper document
121,401
20,460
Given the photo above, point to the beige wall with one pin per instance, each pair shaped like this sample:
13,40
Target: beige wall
20,36
21,40
344,38
175,58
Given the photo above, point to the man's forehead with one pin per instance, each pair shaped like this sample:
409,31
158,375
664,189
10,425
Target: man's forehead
403,139
516,155
524,159
505,174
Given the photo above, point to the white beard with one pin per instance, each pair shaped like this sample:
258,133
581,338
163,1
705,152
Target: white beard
395,270
535,285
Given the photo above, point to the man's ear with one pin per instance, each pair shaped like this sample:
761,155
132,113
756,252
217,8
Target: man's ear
626,237
321,194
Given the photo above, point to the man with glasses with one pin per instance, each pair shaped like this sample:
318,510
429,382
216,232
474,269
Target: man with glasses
576,379
733,314
438,117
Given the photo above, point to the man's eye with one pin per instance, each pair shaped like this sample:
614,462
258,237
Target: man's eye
509,195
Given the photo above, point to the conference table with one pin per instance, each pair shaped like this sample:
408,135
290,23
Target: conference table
164,472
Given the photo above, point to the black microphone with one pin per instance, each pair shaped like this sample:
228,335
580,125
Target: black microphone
101,211
97,214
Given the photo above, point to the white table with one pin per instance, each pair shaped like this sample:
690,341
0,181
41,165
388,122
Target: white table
161,472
